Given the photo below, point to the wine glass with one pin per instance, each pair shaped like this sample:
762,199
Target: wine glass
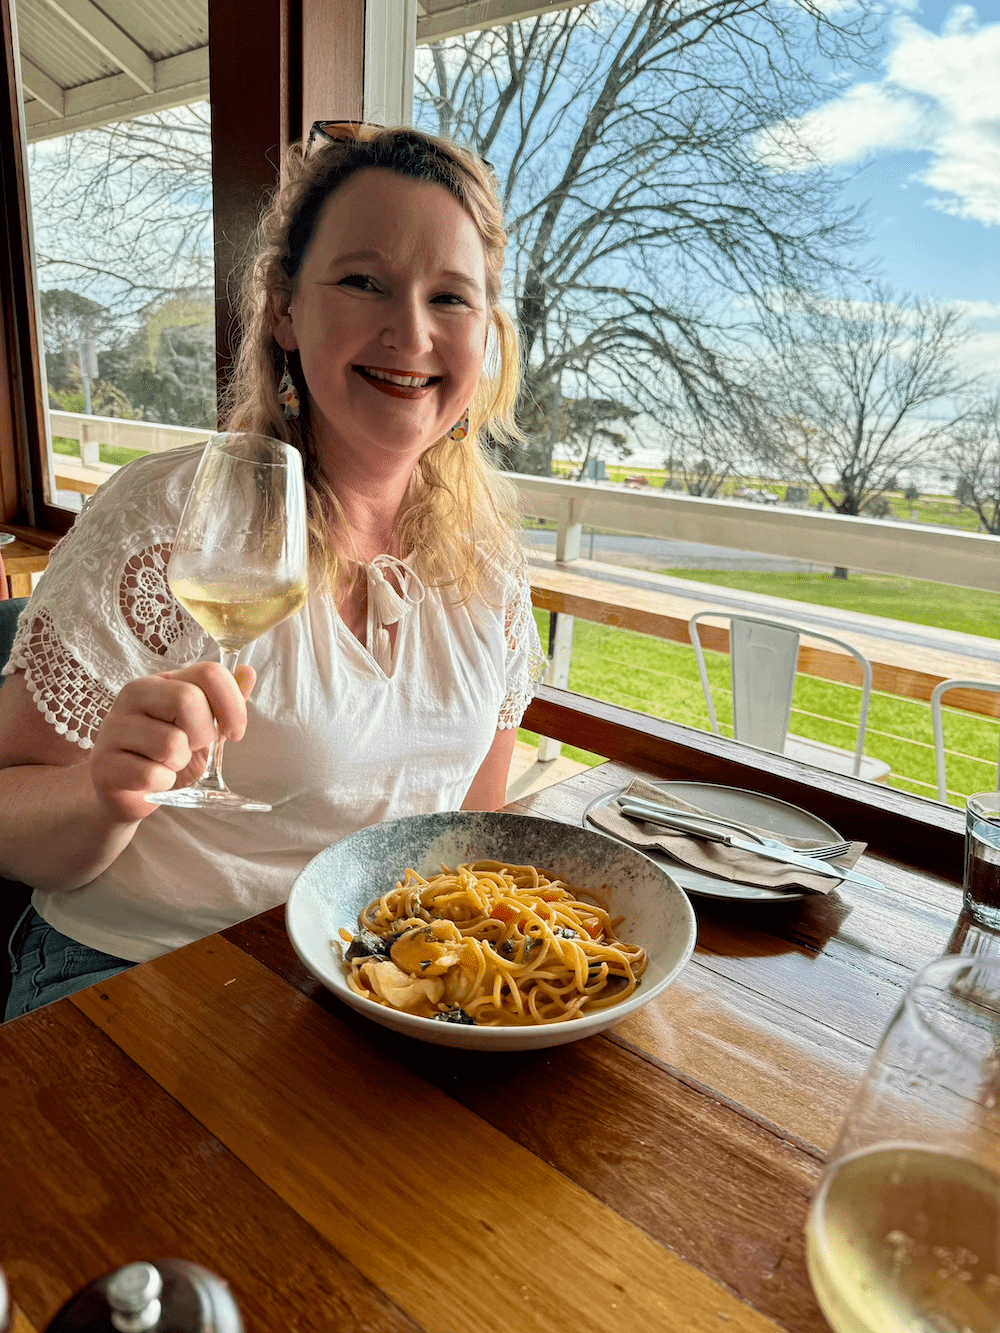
239,566
904,1232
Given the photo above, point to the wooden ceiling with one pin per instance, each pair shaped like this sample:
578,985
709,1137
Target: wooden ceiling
84,64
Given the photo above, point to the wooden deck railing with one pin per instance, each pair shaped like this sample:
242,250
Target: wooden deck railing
919,550
613,609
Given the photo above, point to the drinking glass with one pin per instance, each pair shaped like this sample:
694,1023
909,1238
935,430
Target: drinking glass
982,859
904,1231
239,566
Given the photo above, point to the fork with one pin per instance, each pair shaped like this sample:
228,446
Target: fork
653,813
829,852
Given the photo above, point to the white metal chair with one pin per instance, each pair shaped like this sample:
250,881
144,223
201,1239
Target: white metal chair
938,693
763,656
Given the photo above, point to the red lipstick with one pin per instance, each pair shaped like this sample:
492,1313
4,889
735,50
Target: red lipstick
399,390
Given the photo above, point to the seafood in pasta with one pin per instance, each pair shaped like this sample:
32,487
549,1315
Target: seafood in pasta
491,944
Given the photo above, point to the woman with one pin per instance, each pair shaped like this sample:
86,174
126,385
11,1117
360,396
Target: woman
367,316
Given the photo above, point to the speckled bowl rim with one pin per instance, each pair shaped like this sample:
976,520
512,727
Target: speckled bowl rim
486,1038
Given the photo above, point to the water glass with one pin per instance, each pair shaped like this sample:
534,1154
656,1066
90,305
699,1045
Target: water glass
981,881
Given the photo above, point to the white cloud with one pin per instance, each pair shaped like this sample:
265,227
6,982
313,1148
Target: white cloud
981,356
868,118
940,96
979,310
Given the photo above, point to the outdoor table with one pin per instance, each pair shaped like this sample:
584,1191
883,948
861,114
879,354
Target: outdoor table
219,1105
22,559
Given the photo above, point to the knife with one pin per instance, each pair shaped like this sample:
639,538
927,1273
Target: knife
638,806
681,823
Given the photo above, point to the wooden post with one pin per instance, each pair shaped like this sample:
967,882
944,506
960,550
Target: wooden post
332,61
274,70
249,73
570,535
560,654
24,493
90,444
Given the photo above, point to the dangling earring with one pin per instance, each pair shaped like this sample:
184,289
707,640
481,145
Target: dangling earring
460,429
288,394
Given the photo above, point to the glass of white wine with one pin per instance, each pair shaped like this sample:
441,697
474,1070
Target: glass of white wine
904,1231
239,566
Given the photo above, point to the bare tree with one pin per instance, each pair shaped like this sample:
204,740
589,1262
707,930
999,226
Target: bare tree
123,213
648,228
852,387
726,435
972,454
587,428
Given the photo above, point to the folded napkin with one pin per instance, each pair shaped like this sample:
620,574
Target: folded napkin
713,858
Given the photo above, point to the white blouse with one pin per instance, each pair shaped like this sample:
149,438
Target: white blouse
340,734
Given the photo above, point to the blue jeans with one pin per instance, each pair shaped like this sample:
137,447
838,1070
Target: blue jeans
47,966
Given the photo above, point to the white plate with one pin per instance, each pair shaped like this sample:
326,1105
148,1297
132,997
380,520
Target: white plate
748,807
340,881
6,538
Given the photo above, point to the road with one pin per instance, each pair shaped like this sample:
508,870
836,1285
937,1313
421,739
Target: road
663,553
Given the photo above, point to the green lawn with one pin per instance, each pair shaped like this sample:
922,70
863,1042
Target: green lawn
658,677
108,453
913,600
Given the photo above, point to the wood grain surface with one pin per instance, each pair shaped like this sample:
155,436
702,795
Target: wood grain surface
450,1217
111,1169
219,1104
21,560
639,1144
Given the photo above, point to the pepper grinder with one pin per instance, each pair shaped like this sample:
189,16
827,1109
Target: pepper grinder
170,1296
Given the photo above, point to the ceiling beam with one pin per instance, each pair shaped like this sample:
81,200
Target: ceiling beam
117,48
178,80
454,19
38,85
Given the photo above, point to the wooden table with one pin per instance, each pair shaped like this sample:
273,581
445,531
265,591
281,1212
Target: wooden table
21,560
218,1105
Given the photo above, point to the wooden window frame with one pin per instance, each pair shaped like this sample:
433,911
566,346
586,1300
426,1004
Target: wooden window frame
304,60
24,504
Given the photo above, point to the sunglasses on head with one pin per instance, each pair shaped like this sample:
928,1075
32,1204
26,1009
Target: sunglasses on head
330,131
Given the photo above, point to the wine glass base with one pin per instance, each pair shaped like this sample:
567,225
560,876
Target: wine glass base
198,798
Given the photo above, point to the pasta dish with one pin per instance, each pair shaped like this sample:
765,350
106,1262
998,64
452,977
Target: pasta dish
490,944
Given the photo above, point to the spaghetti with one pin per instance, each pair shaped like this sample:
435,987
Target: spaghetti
490,944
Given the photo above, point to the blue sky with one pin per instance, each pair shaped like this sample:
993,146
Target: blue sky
918,138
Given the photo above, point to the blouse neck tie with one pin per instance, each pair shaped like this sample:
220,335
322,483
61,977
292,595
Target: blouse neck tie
386,605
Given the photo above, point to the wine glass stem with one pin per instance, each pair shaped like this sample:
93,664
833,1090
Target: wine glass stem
212,777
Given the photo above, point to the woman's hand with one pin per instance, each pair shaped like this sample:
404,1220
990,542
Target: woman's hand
158,733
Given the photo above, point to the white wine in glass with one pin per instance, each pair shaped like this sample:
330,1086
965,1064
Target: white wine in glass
904,1232
239,566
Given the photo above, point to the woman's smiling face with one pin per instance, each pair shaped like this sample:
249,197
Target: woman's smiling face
389,316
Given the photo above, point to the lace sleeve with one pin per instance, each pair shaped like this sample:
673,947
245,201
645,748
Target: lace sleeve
103,613
525,660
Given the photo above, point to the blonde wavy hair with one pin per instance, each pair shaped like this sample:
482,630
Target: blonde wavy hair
459,511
